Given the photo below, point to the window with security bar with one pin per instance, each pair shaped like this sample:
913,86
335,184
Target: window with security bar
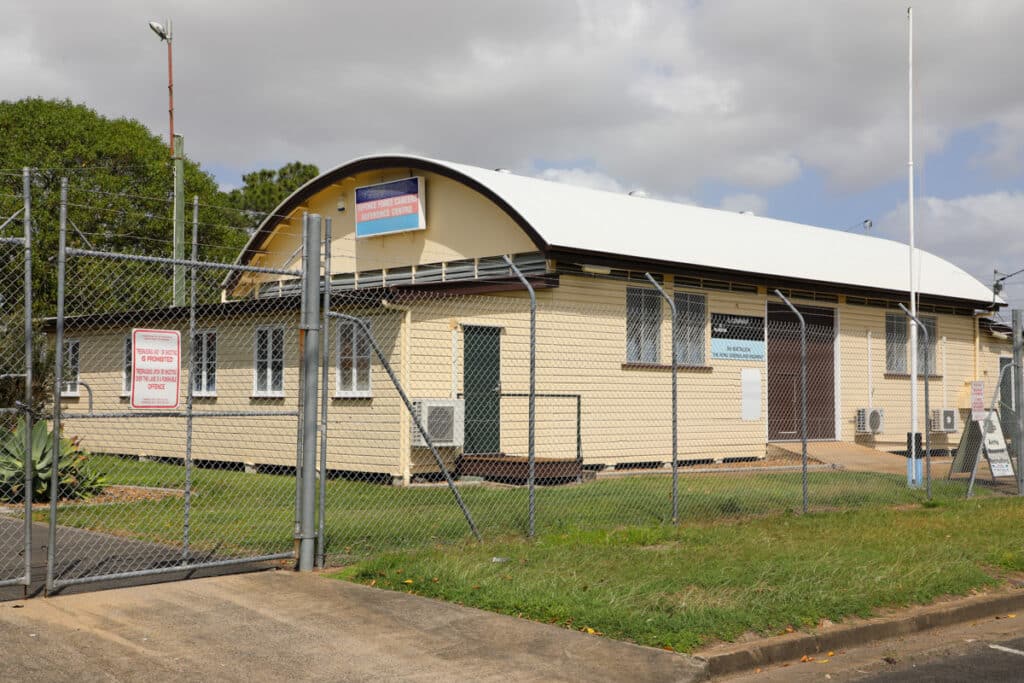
691,310
897,327
352,377
930,324
643,325
896,343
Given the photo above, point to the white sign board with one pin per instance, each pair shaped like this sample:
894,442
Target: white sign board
995,447
978,411
750,387
156,368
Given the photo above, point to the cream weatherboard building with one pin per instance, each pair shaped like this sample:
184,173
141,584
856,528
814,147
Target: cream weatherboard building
417,252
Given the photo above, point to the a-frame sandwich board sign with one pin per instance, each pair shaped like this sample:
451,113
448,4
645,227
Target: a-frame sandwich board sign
982,437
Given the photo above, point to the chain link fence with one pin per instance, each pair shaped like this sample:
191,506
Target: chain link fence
482,407
603,448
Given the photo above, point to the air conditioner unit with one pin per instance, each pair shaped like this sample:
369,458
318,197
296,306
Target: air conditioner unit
945,420
442,418
870,420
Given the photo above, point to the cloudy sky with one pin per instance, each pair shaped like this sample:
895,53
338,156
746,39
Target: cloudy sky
795,110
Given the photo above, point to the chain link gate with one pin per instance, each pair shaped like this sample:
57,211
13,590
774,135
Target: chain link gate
16,415
174,455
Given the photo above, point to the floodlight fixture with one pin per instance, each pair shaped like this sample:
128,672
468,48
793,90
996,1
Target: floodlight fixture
158,28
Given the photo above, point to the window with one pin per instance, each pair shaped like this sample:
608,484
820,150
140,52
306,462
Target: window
269,362
204,363
933,344
353,366
691,310
126,373
896,343
643,325
70,374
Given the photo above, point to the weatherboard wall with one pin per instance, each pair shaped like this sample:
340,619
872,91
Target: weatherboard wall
461,224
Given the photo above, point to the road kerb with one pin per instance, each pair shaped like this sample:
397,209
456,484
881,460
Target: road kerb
744,656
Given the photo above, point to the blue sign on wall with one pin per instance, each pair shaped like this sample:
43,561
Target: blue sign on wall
737,337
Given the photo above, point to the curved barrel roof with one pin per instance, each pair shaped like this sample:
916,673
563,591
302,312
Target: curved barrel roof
566,217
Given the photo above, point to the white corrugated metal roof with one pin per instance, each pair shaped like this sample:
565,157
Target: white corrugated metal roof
578,218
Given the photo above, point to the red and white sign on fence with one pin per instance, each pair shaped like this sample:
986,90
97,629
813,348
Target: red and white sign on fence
156,368
978,409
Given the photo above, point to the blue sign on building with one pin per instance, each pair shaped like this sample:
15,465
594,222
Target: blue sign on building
395,206
737,337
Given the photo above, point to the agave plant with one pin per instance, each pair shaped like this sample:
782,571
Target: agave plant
75,479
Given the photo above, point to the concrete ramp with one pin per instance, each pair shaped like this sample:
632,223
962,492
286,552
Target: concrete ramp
848,456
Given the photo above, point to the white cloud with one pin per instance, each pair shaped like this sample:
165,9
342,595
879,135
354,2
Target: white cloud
744,202
660,94
979,233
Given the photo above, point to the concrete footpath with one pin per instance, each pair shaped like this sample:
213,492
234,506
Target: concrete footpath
287,626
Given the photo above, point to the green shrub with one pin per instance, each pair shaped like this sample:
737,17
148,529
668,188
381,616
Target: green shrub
75,478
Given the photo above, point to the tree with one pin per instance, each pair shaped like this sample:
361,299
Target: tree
263,190
120,198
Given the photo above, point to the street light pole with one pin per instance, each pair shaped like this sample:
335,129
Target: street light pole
177,147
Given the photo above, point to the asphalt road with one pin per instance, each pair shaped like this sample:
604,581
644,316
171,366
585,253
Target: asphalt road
982,661
962,652
85,553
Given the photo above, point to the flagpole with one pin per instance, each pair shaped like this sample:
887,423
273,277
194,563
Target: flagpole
912,473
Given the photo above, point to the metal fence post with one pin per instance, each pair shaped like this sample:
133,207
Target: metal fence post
803,392
301,393
325,398
531,419
1018,383
186,530
927,412
675,411
51,544
29,474
310,365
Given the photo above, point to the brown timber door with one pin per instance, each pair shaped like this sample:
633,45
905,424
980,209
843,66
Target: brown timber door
784,373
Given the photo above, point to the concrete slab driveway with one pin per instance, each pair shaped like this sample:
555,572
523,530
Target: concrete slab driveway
274,626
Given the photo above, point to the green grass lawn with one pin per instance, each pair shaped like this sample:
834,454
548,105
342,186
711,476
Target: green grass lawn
683,587
605,556
254,513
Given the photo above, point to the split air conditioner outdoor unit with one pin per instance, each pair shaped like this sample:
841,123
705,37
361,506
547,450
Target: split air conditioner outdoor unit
442,418
945,420
870,420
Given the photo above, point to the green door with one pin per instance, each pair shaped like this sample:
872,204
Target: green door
481,379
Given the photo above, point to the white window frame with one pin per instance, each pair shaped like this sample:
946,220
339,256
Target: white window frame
653,326
126,366
65,392
269,392
202,366
896,362
692,342
342,326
